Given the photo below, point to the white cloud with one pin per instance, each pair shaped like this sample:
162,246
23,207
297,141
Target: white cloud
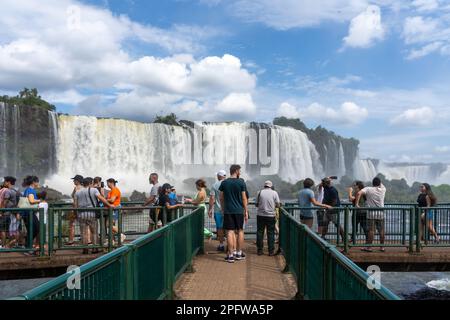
63,47
287,14
348,113
365,29
288,110
426,35
421,116
237,104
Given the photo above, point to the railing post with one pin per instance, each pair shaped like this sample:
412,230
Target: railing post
30,229
200,232
404,227
411,230
417,222
59,243
346,216
110,231
102,228
119,226
328,276
41,233
51,230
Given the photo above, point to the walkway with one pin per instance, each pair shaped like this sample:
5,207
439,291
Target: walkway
256,278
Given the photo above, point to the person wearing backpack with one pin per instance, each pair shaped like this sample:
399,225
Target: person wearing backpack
85,198
267,202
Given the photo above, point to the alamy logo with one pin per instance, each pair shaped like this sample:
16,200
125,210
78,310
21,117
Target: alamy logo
374,280
74,280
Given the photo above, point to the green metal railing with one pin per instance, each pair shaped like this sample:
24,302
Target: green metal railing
145,269
321,271
403,226
54,235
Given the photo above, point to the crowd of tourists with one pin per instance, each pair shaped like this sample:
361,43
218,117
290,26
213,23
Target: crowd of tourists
227,201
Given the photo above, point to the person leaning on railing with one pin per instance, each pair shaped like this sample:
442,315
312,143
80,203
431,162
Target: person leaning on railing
307,199
375,218
164,201
87,198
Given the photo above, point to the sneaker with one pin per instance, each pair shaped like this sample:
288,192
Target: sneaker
221,248
240,256
271,254
260,253
123,238
229,259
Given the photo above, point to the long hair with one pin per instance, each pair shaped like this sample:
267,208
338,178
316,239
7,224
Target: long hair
430,194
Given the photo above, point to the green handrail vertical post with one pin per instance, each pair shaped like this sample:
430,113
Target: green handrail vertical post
411,230
60,230
30,229
51,230
41,233
102,228
404,227
417,222
346,216
170,262
119,226
200,231
110,231
354,227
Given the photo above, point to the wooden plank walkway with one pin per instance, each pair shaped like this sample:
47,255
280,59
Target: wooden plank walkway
256,278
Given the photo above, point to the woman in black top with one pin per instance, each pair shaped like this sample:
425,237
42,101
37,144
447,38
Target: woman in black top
427,199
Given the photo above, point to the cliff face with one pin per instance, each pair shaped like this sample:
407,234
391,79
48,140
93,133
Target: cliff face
27,141
337,154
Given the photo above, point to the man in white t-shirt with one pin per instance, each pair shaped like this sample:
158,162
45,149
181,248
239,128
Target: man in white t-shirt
375,219
152,201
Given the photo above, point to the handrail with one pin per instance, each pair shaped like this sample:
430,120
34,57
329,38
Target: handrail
294,237
129,265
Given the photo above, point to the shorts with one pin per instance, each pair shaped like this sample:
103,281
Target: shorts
429,215
233,221
302,217
116,214
377,224
154,215
218,218
324,217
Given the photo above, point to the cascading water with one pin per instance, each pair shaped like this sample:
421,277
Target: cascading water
129,151
364,170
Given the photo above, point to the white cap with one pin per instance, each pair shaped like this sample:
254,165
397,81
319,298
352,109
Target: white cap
222,173
268,183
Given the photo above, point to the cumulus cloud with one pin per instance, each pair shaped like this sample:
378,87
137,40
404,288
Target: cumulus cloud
64,47
365,29
237,104
288,110
421,116
349,113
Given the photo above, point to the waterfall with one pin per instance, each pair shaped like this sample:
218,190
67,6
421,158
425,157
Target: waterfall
364,170
53,138
3,139
412,172
129,151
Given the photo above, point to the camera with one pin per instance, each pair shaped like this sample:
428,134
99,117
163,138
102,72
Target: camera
102,184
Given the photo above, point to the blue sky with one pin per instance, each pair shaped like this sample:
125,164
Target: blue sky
375,70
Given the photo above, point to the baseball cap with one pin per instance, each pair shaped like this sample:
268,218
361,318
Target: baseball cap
268,183
222,173
78,178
